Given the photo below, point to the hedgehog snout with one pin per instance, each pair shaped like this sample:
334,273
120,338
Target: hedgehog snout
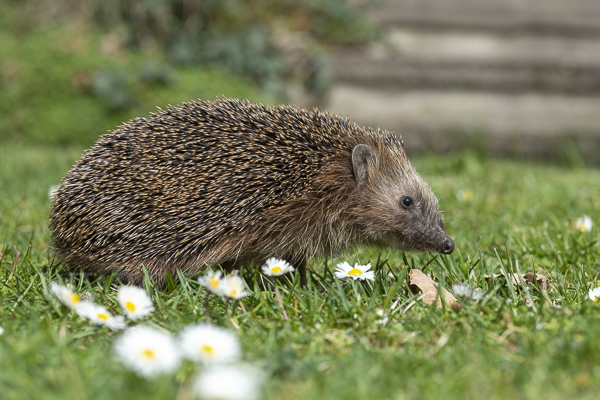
447,246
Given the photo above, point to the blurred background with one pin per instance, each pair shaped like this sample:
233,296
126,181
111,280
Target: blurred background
510,78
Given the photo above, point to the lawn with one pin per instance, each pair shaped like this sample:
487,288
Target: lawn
337,342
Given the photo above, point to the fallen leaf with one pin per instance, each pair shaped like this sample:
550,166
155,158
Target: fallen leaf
538,279
419,282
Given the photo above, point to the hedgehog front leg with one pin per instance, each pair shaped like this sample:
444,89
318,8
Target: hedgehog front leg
301,267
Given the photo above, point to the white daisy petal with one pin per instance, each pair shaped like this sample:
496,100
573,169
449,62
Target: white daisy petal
276,267
148,351
234,287
584,224
100,315
229,383
135,302
344,270
209,344
369,275
212,281
594,294
66,295
466,291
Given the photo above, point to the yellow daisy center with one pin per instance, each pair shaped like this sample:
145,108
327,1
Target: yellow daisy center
596,299
467,195
130,306
75,298
233,292
214,283
276,270
148,353
208,350
103,317
582,228
355,272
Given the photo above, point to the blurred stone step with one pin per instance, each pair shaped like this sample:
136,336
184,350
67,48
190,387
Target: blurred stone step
409,59
511,78
445,120
474,47
542,17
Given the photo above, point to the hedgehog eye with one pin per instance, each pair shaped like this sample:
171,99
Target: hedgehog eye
407,202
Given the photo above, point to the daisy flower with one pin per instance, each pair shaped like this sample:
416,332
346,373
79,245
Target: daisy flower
584,224
100,315
233,286
229,383
276,267
209,344
66,295
594,295
465,195
466,291
135,302
212,281
148,351
344,270
384,317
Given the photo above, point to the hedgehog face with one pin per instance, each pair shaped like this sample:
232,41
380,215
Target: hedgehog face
395,206
417,222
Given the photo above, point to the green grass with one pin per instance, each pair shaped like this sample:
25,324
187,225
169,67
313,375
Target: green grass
333,347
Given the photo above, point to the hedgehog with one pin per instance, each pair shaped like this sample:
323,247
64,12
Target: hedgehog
231,183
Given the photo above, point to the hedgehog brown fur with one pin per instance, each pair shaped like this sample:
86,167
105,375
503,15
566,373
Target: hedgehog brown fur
231,182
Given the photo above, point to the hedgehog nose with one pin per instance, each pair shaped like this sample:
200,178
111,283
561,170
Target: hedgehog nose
447,246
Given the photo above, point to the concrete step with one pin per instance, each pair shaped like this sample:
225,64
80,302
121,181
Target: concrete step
409,59
527,124
401,75
513,76
541,17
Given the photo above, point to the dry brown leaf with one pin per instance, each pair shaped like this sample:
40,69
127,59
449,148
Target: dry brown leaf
538,279
419,282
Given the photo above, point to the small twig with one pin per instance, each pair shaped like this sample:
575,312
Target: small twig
412,303
544,285
235,325
280,303
62,331
263,282
524,285
206,313
14,268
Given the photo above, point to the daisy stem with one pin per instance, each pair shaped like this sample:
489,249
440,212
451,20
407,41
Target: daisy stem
14,268
280,302
206,313
235,325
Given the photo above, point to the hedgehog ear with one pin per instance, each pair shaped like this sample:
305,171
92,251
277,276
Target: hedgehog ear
363,157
